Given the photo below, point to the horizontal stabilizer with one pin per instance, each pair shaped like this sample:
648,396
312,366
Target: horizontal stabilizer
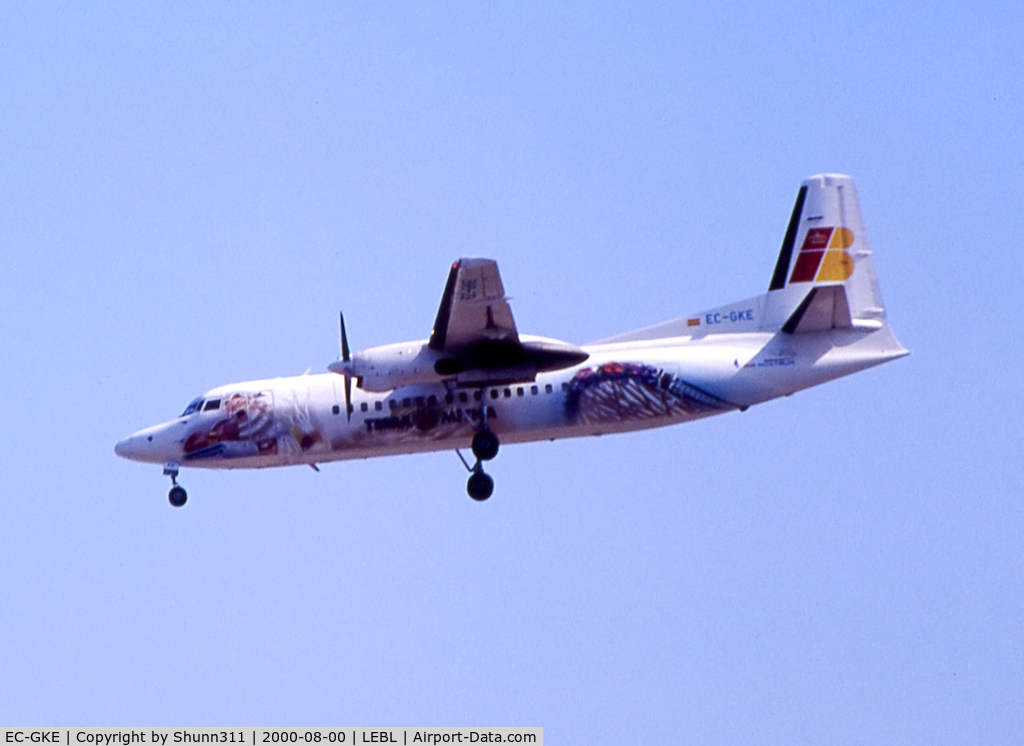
823,308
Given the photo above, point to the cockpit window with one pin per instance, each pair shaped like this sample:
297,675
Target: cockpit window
212,404
193,406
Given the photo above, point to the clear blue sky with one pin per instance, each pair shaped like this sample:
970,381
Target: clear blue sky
188,195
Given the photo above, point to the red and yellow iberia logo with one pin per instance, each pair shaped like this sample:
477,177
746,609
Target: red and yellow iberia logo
823,258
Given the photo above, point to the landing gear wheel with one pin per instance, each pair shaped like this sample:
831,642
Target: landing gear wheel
177,496
485,445
480,486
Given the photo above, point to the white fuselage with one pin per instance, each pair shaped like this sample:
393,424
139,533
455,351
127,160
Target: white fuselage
478,382
621,387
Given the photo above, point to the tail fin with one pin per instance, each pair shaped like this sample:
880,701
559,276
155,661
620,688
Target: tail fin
824,277
829,281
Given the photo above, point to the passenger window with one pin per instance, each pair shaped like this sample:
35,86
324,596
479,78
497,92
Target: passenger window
519,391
494,393
508,393
377,406
534,390
406,402
547,388
463,397
336,409
477,396
392,404
364,407
432,400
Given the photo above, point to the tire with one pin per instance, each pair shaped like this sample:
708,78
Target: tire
480,486
485,445
177,496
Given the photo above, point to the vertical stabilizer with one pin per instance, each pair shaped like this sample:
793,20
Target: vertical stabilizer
824,276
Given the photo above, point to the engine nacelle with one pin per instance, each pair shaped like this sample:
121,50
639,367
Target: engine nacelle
386,368
391,366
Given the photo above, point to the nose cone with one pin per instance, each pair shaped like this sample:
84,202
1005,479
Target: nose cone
134,447
152,445
124,448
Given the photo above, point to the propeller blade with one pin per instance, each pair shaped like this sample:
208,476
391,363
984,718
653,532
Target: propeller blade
348,397
344,339
348,377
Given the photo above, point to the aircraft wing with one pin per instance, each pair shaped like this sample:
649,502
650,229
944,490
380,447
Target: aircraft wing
474,308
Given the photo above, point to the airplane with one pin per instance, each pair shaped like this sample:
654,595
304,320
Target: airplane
477,382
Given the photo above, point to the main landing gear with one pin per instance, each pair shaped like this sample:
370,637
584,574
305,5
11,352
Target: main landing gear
177,496
485,447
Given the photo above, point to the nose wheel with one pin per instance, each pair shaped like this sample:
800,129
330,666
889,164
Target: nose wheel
177,496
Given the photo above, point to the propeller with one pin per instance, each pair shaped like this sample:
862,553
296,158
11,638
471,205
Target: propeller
345,358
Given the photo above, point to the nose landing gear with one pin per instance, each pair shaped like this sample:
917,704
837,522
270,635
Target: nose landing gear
177,496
